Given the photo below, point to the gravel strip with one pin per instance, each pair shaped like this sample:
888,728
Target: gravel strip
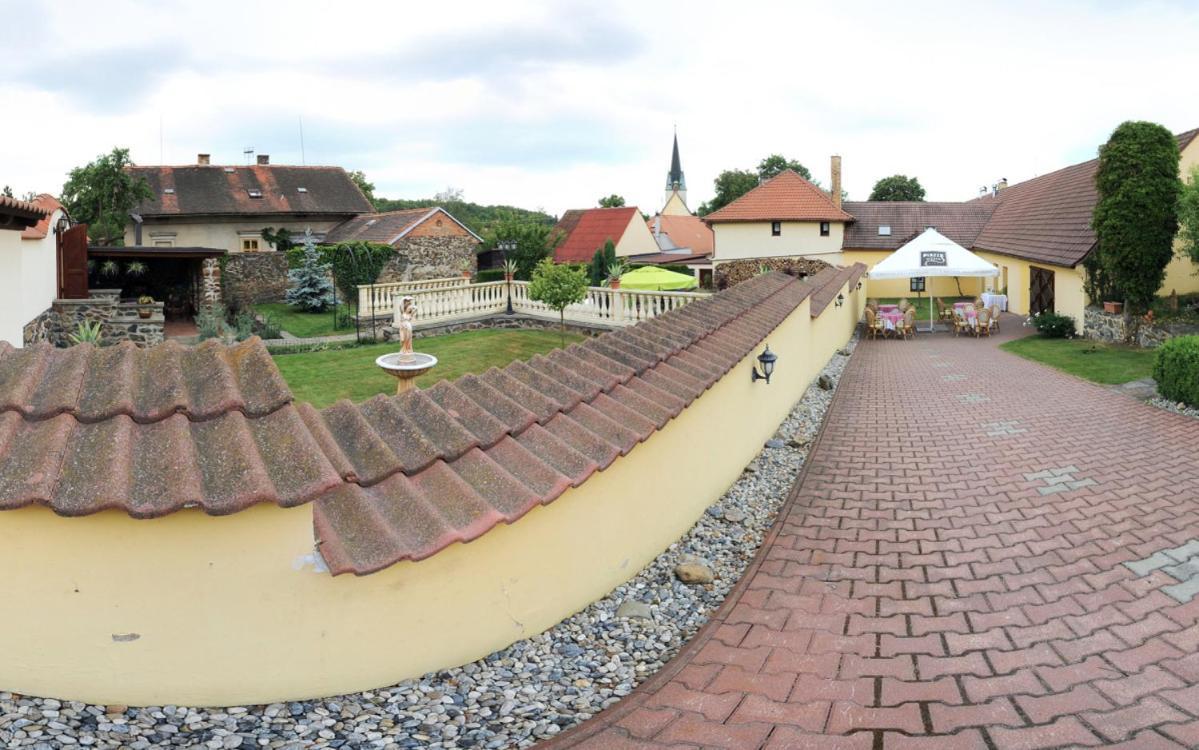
529,691
1175,406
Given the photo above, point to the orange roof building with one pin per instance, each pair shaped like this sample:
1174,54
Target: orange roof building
586,230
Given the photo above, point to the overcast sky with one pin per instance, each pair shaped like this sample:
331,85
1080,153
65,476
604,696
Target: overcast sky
553,105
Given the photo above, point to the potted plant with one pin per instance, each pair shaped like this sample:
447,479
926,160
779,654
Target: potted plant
110,268
145,306
135,268
615,271
1113,307
467,271
509,267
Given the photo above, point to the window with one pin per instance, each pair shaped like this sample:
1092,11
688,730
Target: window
301,190
776,228
163,243
255,193
824,229
249,244
884,230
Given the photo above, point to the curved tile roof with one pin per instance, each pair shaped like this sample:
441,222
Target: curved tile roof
153,431
785,197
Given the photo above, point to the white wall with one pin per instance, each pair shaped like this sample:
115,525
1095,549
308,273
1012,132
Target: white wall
753,239
28,280
223,233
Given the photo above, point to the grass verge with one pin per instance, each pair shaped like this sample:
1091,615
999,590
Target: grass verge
1108,364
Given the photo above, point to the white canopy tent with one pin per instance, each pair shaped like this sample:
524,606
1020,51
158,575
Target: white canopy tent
931,254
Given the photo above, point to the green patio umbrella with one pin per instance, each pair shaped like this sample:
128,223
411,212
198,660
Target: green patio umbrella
657,279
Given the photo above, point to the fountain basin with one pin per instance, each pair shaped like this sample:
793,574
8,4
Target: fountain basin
405,366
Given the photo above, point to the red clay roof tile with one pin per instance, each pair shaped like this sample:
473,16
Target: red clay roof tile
785,197
586,230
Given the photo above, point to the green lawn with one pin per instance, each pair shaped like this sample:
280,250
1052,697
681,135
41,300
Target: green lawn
302,324
325,376
1109,364
921,304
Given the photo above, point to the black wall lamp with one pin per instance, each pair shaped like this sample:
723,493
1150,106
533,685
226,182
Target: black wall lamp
766,359
840,300
859,286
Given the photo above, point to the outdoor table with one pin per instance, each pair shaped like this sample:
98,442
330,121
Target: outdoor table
890,318
963,305
969,313
990,300
887,308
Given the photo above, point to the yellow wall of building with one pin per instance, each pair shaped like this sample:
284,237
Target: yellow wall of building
752,239
220,233
675,205
637,239
1069,294
1182,275
940,286
197,610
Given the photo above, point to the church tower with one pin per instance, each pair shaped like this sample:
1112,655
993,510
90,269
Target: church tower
676,185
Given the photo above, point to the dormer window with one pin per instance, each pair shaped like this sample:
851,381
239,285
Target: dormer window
301,190
254,193
884,230
776,228
168,191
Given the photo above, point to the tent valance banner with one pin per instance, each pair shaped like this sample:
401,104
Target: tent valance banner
931,254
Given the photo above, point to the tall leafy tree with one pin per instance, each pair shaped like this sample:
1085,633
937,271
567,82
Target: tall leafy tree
1188,216
101,195
611,201
730,185
558,285
777,163
897,187
534,240
358,177
1136,216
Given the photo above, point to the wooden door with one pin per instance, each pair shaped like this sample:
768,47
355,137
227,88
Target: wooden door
72,263
1040,293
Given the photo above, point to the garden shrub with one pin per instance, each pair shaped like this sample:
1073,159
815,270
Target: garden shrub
1176,369
1053,325
490,274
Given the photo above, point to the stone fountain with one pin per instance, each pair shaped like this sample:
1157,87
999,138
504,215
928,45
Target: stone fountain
406,365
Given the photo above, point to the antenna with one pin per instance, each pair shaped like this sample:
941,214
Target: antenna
302,161
248,151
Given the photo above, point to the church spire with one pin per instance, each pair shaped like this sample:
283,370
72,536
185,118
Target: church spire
675,178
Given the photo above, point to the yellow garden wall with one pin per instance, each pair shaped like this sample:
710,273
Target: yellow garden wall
198,610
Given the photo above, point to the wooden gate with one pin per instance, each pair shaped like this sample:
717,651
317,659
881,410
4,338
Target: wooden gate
1040,293
72,263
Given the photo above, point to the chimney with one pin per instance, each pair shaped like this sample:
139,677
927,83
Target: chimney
1002,184
836,180
264,159
203,160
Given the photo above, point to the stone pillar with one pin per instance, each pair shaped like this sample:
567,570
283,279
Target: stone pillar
210,284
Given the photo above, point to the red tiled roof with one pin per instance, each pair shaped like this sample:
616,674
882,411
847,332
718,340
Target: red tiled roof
588,229
151,431
221,190
15,214
784,197
49,204
690,232
829,282
960,222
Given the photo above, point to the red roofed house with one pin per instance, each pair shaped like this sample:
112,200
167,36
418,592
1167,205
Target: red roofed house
28,262
785,216
586,230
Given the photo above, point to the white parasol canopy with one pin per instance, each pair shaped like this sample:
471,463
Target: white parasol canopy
931,254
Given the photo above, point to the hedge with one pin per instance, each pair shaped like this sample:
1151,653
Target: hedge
1052,325
490,274
1176,369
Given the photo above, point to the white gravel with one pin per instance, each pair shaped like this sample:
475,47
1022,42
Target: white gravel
529,691
1177,407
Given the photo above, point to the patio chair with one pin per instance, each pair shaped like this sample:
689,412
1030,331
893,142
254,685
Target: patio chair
872,304
904,304
960,323
873,324
907,327
984,323
995,318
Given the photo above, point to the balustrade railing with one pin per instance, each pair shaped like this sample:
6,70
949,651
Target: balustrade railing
379,299
601,306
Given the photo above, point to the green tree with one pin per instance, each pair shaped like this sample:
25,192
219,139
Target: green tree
776,163
730,185
612,201
280,240
535,241
897,187
1188,216
358,177
6,192
558,285
1136,216
604,257
310,288
103,193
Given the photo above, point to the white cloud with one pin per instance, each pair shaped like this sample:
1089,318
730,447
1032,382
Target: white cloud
553,105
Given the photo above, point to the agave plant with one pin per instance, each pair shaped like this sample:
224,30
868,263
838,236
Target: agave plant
616,270
135,268
110,268
88,332
509,267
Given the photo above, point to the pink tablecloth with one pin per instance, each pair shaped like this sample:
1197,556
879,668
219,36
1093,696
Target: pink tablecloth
888,308
890,318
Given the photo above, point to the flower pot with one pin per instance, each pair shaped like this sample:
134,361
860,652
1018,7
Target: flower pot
507,277
144,312
466,274
1113,307
614,283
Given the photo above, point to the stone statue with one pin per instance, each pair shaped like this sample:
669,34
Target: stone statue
407,316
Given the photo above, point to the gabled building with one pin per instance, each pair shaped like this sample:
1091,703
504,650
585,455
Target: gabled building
586,230
28,263
430,243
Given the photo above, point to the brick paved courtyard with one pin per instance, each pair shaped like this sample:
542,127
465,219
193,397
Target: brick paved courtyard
983,553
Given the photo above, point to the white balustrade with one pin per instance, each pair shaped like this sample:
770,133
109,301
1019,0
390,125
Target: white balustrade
379,299
601,306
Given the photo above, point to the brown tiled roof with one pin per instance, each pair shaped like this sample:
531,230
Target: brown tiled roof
41,230
15,214
151,431
784,197
1184,139
587,230
218,190
960,222
384,227
829,283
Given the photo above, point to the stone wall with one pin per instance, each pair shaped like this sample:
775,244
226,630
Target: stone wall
250,278
733,272
430,257
209,294
118,320
1111,327
390,333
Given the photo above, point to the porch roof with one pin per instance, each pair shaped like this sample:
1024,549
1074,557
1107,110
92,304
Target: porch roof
147,251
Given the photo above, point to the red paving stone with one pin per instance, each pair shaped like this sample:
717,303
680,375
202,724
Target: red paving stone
949,572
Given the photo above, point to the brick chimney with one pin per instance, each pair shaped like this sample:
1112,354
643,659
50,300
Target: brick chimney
203,159
835,168
264,159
